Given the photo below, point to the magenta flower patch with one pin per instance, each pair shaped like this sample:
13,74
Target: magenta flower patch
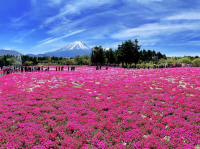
112,108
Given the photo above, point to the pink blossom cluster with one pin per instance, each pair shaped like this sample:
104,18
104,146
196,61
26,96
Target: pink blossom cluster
88,108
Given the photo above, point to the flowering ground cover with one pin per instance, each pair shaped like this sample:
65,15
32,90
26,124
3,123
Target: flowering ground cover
117,108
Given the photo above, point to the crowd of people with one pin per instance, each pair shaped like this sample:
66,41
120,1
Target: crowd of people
98,67
17,69
138,67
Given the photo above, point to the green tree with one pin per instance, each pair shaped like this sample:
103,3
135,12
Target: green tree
28,63
111,56
150,55
162,61
76,58
80,60
196,61
120,55
185,60
98,55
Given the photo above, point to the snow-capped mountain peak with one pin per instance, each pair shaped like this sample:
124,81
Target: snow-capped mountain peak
77,45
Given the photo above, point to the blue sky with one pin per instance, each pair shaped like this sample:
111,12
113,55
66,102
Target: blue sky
38,26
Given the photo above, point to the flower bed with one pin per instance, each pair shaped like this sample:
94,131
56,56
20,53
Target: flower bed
86,108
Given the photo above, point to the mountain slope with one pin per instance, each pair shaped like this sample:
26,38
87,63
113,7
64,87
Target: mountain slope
71,50
76,46
11,52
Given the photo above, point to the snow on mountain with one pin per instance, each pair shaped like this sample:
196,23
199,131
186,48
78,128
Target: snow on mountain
71,50
76,46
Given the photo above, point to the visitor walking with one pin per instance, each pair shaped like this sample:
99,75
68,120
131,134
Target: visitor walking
22,69
4,67
12,69
6,70
56,68
68,68
148,67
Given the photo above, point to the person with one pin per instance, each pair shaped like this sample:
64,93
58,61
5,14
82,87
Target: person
100,67
56,68
59,68
106,67
148,67
48,68
25,69
4,67
12,69
8,69
42,68
143,67
97,67
22,69
74,68
68,68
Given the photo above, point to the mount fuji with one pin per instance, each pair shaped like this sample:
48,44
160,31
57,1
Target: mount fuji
71,50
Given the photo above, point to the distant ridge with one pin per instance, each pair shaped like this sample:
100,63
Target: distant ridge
11,52
71,50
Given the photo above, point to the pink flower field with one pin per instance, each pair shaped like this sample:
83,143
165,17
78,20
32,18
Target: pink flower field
114,108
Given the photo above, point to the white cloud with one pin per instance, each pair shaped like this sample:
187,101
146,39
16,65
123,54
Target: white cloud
17,40
19,18
148,1
185,16
76,7
18,22
155,29
8,48
47,41
20,39
54,2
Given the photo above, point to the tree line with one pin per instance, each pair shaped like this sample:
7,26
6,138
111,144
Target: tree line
46,60
126,54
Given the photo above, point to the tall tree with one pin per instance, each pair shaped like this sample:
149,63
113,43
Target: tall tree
98,55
